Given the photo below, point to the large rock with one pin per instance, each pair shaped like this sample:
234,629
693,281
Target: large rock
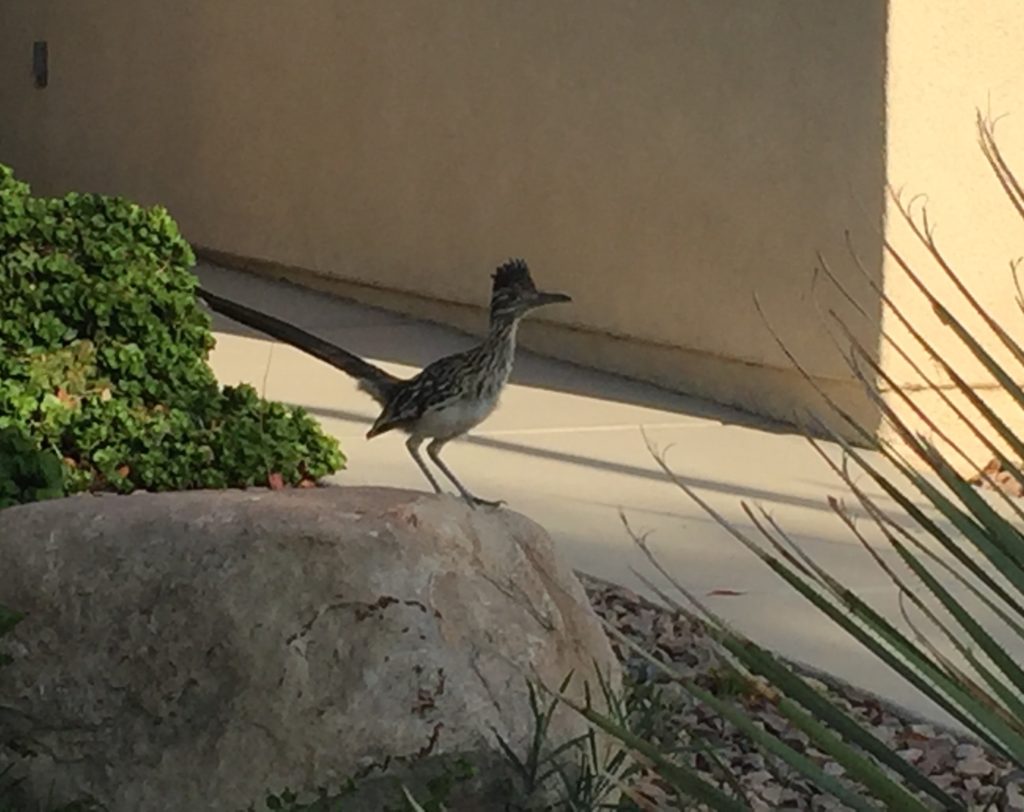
195,650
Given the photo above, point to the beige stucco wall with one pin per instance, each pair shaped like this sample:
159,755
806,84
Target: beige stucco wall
661,160
947,59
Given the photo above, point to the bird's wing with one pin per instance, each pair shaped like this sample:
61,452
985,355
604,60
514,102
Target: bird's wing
436,384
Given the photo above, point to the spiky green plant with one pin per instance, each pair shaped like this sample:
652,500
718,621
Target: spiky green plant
984,689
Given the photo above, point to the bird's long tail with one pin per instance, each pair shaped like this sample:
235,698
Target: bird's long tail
372,379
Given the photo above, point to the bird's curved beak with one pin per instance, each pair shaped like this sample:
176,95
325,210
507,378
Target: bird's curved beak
541,298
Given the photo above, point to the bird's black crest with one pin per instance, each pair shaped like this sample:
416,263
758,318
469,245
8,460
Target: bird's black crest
513,274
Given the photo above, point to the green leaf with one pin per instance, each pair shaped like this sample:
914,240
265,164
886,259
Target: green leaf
683,779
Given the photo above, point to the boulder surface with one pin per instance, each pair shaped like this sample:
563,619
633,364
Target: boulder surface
198,650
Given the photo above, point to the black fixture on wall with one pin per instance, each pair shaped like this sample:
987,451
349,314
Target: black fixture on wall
40,63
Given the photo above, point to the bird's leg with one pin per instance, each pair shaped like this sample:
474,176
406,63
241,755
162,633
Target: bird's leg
434,452
413,444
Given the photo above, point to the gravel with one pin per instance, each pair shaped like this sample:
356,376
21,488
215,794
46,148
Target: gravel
954,761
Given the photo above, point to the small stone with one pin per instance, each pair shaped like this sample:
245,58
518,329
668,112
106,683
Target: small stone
1014,798
757,778
774,722
987,790
944,781
887,733
753,761
911,754
797,739
938,756
974,766
826,803
967,751
833,768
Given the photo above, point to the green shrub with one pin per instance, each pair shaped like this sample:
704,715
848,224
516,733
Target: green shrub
104,382
27,473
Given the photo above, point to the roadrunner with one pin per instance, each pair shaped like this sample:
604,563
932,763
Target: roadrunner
449,397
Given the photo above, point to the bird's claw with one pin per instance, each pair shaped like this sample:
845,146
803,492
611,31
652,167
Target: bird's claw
476,501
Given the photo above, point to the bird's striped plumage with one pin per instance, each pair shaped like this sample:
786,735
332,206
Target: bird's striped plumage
469,383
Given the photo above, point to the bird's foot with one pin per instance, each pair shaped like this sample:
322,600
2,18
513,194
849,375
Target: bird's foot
476,501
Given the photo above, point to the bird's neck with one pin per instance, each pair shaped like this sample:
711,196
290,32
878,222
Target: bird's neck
501,338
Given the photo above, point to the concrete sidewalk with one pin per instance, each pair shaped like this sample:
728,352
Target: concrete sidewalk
565,448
